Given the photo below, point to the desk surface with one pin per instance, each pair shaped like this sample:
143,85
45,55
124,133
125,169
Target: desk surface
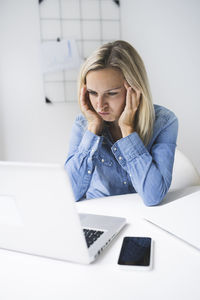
175,274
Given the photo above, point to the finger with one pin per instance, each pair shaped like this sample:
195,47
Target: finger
137,91
83,96
132,99
126,85
129,98
135,95
83,91
138,94
135,101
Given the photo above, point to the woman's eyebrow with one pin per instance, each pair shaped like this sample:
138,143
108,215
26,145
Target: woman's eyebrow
117,88
90,90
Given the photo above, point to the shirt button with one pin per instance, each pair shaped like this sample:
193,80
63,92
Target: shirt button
89,172
124,182
120,157
115,149
102,160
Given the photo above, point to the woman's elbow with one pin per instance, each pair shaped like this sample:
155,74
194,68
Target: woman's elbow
153,198
151,201
154,195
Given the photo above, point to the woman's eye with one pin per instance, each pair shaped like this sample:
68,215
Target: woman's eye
92,93
112,93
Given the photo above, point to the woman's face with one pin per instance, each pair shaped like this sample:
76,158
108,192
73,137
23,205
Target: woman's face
107,93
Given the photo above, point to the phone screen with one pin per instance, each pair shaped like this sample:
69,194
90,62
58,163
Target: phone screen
135,251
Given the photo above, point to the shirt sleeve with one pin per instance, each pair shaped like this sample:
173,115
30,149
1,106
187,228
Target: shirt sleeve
79,164
150,171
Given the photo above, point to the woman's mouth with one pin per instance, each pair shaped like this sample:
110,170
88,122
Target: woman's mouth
103,113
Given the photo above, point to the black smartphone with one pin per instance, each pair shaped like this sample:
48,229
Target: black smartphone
136,253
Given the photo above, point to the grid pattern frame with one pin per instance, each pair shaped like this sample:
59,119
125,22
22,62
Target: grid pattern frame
90,22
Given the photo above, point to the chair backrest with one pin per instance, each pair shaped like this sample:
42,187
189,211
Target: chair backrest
184,173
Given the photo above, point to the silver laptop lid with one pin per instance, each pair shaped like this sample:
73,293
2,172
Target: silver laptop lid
38,214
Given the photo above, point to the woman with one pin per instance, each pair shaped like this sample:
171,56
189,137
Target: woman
121,143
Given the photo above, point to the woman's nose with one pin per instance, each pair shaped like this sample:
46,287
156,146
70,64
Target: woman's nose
101,102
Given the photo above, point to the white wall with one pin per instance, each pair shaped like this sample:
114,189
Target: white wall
165,33
33,130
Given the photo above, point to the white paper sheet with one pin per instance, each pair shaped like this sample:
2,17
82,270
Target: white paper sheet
59,55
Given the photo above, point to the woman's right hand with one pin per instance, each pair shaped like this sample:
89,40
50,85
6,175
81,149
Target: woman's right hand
95,122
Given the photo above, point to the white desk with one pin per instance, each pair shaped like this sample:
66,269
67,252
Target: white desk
175,274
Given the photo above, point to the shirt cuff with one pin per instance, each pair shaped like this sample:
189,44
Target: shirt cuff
128,148
89,142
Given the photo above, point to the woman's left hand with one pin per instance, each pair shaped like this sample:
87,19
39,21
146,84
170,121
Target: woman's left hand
126,120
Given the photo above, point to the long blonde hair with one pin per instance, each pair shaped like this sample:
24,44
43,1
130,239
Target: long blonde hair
124,57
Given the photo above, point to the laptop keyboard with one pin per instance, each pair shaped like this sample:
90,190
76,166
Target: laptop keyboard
91,235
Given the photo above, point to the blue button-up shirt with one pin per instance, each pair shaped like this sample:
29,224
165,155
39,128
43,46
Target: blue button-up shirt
99,167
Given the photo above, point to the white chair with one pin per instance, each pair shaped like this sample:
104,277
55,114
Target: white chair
184,173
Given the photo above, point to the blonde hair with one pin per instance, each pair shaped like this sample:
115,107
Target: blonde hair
124,57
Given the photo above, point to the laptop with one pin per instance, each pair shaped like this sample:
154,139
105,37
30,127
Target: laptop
38,215
180,218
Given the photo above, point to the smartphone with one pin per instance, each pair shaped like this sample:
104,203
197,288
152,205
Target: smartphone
136,253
